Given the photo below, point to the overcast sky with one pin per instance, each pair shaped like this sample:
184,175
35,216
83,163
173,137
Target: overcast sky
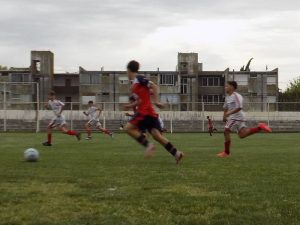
95,33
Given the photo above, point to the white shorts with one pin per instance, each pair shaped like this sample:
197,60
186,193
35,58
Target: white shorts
94,123
235,125
58,121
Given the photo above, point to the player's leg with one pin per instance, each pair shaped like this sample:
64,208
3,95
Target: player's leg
210,131
88,129
157,135
227,138
63,128
103,130
135,132
245,132
49,135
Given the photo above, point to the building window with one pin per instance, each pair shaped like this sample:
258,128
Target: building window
86,99
212,98
212,81
241,79
271,99
170,98
123,99
184,86
89,79
123,80
271,80
20,77
167,79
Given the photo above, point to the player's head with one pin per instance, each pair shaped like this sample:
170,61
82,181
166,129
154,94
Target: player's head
207,117
131,99
51,95
230,87
132,69
90,103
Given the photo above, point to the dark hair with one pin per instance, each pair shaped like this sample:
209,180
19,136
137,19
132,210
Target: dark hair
131,98
52,93
207,117
91,102
233,84
133,66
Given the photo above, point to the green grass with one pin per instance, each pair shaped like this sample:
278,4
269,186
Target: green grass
107,181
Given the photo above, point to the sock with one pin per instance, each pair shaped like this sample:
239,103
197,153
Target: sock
106,131
89,132
49,138
255,130
227,146
143,140
72,132
170,148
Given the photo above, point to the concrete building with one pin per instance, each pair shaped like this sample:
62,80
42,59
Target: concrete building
189,88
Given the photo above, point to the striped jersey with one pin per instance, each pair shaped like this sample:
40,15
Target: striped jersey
235,101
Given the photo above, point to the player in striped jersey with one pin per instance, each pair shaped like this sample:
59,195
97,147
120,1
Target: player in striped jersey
93,114
235,118
58,120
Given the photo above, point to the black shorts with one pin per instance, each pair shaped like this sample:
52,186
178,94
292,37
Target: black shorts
145,123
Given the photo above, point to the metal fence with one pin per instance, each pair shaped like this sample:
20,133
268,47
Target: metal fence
181,117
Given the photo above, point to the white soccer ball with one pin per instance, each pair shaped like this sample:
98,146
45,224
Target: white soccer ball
31,155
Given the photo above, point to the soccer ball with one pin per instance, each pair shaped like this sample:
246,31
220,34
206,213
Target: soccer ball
31,155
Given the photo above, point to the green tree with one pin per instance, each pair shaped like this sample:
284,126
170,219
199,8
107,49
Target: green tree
290,96
3,67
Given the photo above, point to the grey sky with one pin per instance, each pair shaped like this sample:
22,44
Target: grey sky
95,33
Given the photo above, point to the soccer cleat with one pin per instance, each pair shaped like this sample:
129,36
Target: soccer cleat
47,143
265,127
88,138
178,157
223,154
78,136
149,151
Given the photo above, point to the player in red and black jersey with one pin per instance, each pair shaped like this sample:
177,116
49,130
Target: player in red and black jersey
210,126
146,116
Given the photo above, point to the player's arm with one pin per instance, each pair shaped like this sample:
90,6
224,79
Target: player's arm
233,111
129,114
131,105
155,91
99,112
61,108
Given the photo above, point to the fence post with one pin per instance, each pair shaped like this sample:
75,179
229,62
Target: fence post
268,108
71,116
37,108
104,120
171,119
4,107
203,111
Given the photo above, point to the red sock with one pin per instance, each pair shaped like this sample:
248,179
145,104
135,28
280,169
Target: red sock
106,131
254,130
72,132
227,146
49,138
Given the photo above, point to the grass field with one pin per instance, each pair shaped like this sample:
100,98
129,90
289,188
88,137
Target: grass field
107,181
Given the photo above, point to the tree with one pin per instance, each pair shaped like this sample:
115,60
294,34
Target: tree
3,67
291,94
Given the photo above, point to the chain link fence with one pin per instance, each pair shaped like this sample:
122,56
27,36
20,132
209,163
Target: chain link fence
182,117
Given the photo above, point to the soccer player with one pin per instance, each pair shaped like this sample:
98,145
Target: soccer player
146,117
211,127
58,120
93,114
235,118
